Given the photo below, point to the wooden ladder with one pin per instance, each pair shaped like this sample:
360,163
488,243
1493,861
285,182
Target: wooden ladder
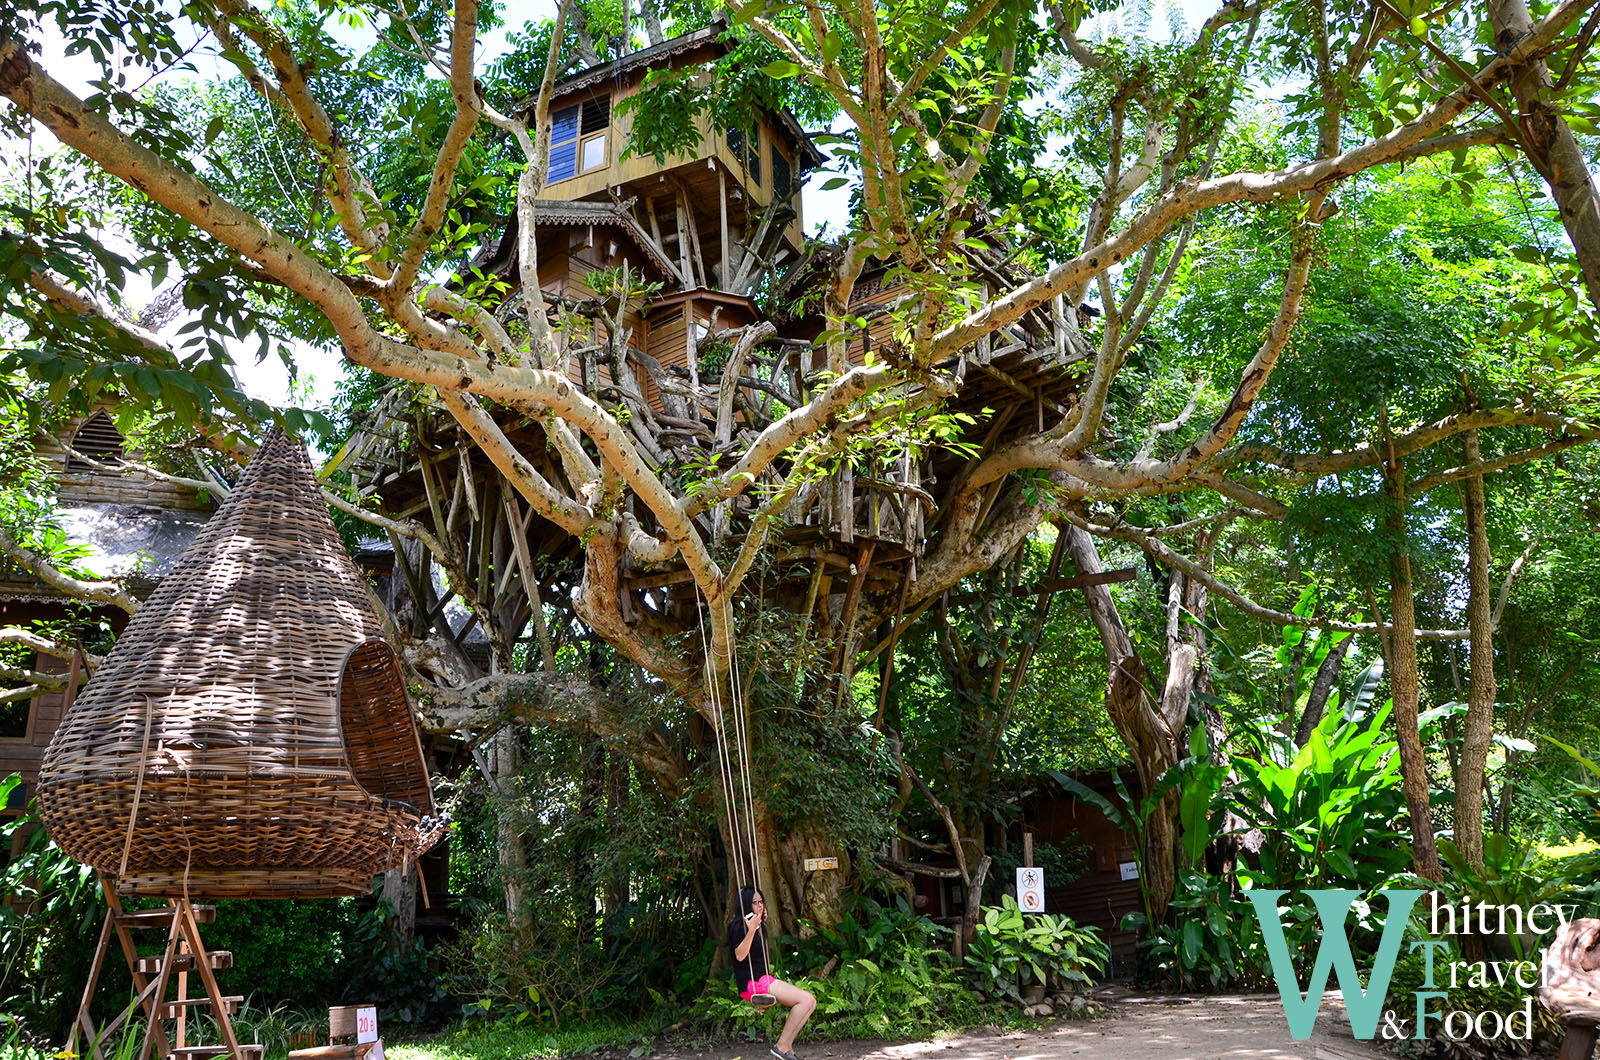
182,954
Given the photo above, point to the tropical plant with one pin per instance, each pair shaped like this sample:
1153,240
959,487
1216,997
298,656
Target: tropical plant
1328,811
1012,952
1212,939
47,924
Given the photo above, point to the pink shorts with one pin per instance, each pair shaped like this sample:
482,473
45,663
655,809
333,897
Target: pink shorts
758,986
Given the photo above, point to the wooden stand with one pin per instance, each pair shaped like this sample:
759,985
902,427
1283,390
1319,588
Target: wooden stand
342,1024
182,953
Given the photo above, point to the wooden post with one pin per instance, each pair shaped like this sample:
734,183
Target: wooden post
969,915
683,242
691,356
1027,850
723,276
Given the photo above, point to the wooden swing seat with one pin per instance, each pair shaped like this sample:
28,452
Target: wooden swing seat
763,1001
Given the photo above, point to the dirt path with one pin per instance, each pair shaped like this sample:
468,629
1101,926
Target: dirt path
1139,1027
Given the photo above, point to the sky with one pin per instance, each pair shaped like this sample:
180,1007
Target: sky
320,370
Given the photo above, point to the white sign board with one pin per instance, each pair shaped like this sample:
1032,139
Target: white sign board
1030,890
818,864
1129,870
366,1024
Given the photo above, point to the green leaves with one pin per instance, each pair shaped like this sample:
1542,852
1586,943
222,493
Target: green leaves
780,69
1012,951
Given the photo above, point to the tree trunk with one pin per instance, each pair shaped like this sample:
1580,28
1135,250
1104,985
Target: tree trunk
585,870
1550,145
1321,688
1403,676
618,795
504,763
1479,722
400,891
1146,734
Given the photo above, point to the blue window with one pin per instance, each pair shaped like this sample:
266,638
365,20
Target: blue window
578,138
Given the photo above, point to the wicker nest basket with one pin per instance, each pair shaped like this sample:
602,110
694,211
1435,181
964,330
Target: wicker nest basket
249,735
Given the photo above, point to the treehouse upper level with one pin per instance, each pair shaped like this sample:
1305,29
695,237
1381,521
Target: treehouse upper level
721,212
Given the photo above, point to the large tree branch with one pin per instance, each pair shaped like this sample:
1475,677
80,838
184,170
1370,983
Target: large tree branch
59,291
1162,554
1365,455
557,699
27,84
58,649
1143,472
1500,463
105,592
1191,196
351,191
784,433
464,94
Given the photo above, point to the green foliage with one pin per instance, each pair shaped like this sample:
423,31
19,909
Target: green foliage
1013,951
1513,873
544,974
867,931
1330,811
512,1040
279,1027
1410,976
1211,940
48,925
294,951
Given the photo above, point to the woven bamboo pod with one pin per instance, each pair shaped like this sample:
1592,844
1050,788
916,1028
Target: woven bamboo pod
249,735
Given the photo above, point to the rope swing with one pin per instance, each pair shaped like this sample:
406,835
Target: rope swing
743,851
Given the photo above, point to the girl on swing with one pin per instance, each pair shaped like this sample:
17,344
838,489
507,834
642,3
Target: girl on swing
747,939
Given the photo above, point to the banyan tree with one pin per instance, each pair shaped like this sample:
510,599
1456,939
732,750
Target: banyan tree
249,735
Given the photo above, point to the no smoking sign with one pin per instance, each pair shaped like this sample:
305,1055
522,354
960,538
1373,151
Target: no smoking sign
1030,890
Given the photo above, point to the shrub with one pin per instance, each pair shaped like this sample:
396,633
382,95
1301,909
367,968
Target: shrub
1213,940
50,914
1410,976
1012,952
543,974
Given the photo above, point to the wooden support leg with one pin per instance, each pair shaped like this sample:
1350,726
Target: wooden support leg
178,1033
159,992
131,952
84,1024
202,964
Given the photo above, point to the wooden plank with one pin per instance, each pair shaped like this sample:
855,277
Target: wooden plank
191,933
154,918
722,198
333,1052
184,962
176,1009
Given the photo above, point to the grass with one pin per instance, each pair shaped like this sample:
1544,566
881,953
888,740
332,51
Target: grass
484,1040
511,1041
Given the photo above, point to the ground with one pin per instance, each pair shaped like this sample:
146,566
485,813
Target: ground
1138,1027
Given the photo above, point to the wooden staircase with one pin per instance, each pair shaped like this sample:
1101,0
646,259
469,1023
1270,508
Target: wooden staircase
182,954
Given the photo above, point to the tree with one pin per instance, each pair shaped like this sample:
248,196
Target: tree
1151,125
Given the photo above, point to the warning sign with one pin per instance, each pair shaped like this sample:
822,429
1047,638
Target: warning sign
1030,890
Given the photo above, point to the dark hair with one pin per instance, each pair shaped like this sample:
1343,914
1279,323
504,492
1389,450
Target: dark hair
744,902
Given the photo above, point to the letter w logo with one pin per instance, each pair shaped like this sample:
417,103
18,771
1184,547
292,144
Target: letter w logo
1364,1006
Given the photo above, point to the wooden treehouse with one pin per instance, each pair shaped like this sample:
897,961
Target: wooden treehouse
708,230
